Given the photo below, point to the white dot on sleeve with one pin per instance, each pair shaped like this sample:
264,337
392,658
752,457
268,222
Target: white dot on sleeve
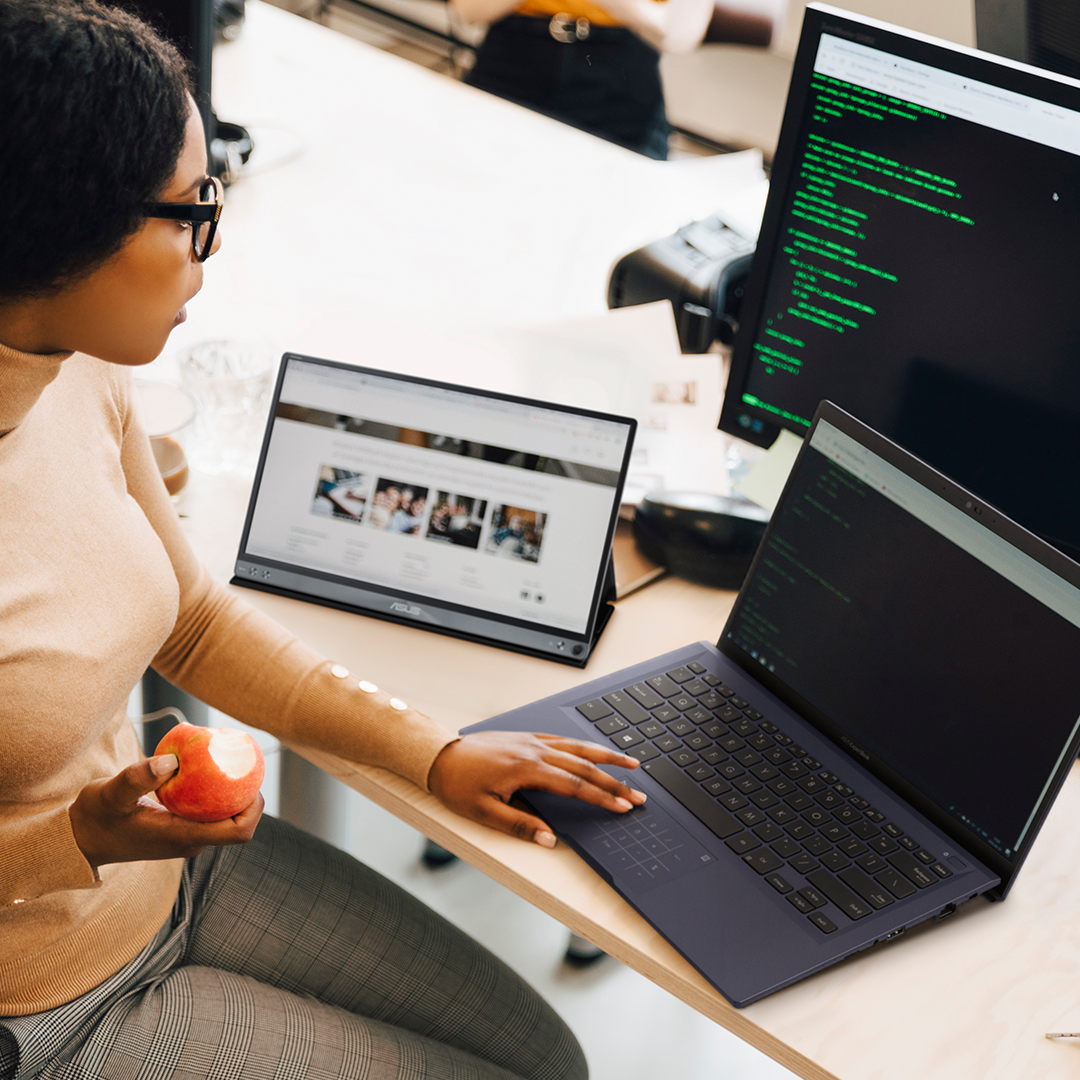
368,687
397,703
339,671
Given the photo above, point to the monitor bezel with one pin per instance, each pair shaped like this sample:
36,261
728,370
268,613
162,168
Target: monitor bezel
599,610
993,520
764,427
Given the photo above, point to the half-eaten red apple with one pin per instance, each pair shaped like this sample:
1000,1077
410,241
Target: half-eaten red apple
220,772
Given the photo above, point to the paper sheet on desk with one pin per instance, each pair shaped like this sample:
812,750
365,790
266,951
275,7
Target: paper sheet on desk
628,362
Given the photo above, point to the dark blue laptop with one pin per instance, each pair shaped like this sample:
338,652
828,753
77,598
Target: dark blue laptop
875,739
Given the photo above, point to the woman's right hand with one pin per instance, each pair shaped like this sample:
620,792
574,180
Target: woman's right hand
115,820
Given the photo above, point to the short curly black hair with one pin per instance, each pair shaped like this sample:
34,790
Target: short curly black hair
93,106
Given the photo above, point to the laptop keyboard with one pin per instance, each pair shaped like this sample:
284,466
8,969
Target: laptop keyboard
789,819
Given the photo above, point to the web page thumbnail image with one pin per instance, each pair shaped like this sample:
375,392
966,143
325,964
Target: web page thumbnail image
456,519
340,493
516,533
398,507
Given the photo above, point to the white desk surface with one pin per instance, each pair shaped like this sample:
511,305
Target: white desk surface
967,1000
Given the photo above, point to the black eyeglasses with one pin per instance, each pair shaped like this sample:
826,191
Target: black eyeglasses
202,216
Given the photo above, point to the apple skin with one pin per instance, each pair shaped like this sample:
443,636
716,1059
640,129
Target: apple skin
200,790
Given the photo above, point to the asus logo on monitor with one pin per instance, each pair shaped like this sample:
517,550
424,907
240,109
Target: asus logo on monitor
405,609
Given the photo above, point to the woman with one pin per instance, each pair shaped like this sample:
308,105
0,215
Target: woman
135,942
596,67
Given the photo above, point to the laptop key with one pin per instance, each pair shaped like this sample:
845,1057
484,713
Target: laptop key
813,897
680,675
626,706
941,870
695,688
725,691
711,679
730,770
763,861
924,857
835,861
731,743
733,802
728,714
882,845
778,883
897,885
645,697
870,891
612,724
822,922
595,710
873,815
800,902
714,755
852,906
785,847
665,714
680,727
777,755
699,715
701,804
799,801
768,832
764,799
892,830
781,786
909,842
793,770
684,757
711,700
652,728
781,814
667,743
739,703
747,785
750,816
912,870
746,757
802,863
797,829
683,702
696,668
760,741
764,771
662,685
743,843
717,786
817,845
699,771
715,730
645,752
696,741
626,739
846,814
852,847
872,863
743,727
863,830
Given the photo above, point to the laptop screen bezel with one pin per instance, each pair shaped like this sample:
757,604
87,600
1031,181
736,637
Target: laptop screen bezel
583,637
995,522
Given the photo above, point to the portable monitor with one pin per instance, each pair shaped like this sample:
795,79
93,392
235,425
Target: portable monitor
463,511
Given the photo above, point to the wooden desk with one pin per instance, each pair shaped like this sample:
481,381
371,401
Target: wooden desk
967,1001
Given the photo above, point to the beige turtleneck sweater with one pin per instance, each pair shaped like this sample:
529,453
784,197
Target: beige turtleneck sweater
96,582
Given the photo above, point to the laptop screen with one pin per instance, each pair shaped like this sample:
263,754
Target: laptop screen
420,491
934,644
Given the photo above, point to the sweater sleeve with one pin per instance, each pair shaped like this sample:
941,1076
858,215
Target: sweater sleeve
39,856
233,657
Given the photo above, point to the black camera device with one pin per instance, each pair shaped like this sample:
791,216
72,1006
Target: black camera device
702,269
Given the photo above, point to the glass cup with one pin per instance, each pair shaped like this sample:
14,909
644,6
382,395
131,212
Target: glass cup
169,415
230,382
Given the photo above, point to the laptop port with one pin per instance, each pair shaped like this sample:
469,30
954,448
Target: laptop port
894,933
945,912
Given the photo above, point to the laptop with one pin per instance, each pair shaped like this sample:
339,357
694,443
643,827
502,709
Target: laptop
465,512
875,739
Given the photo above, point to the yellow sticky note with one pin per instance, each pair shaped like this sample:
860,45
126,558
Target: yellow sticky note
765,481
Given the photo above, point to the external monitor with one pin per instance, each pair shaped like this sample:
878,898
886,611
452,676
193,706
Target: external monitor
919,264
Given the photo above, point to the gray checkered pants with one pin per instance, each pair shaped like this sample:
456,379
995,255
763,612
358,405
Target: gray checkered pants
286,959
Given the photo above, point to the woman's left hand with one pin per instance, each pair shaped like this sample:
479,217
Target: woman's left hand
477,776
